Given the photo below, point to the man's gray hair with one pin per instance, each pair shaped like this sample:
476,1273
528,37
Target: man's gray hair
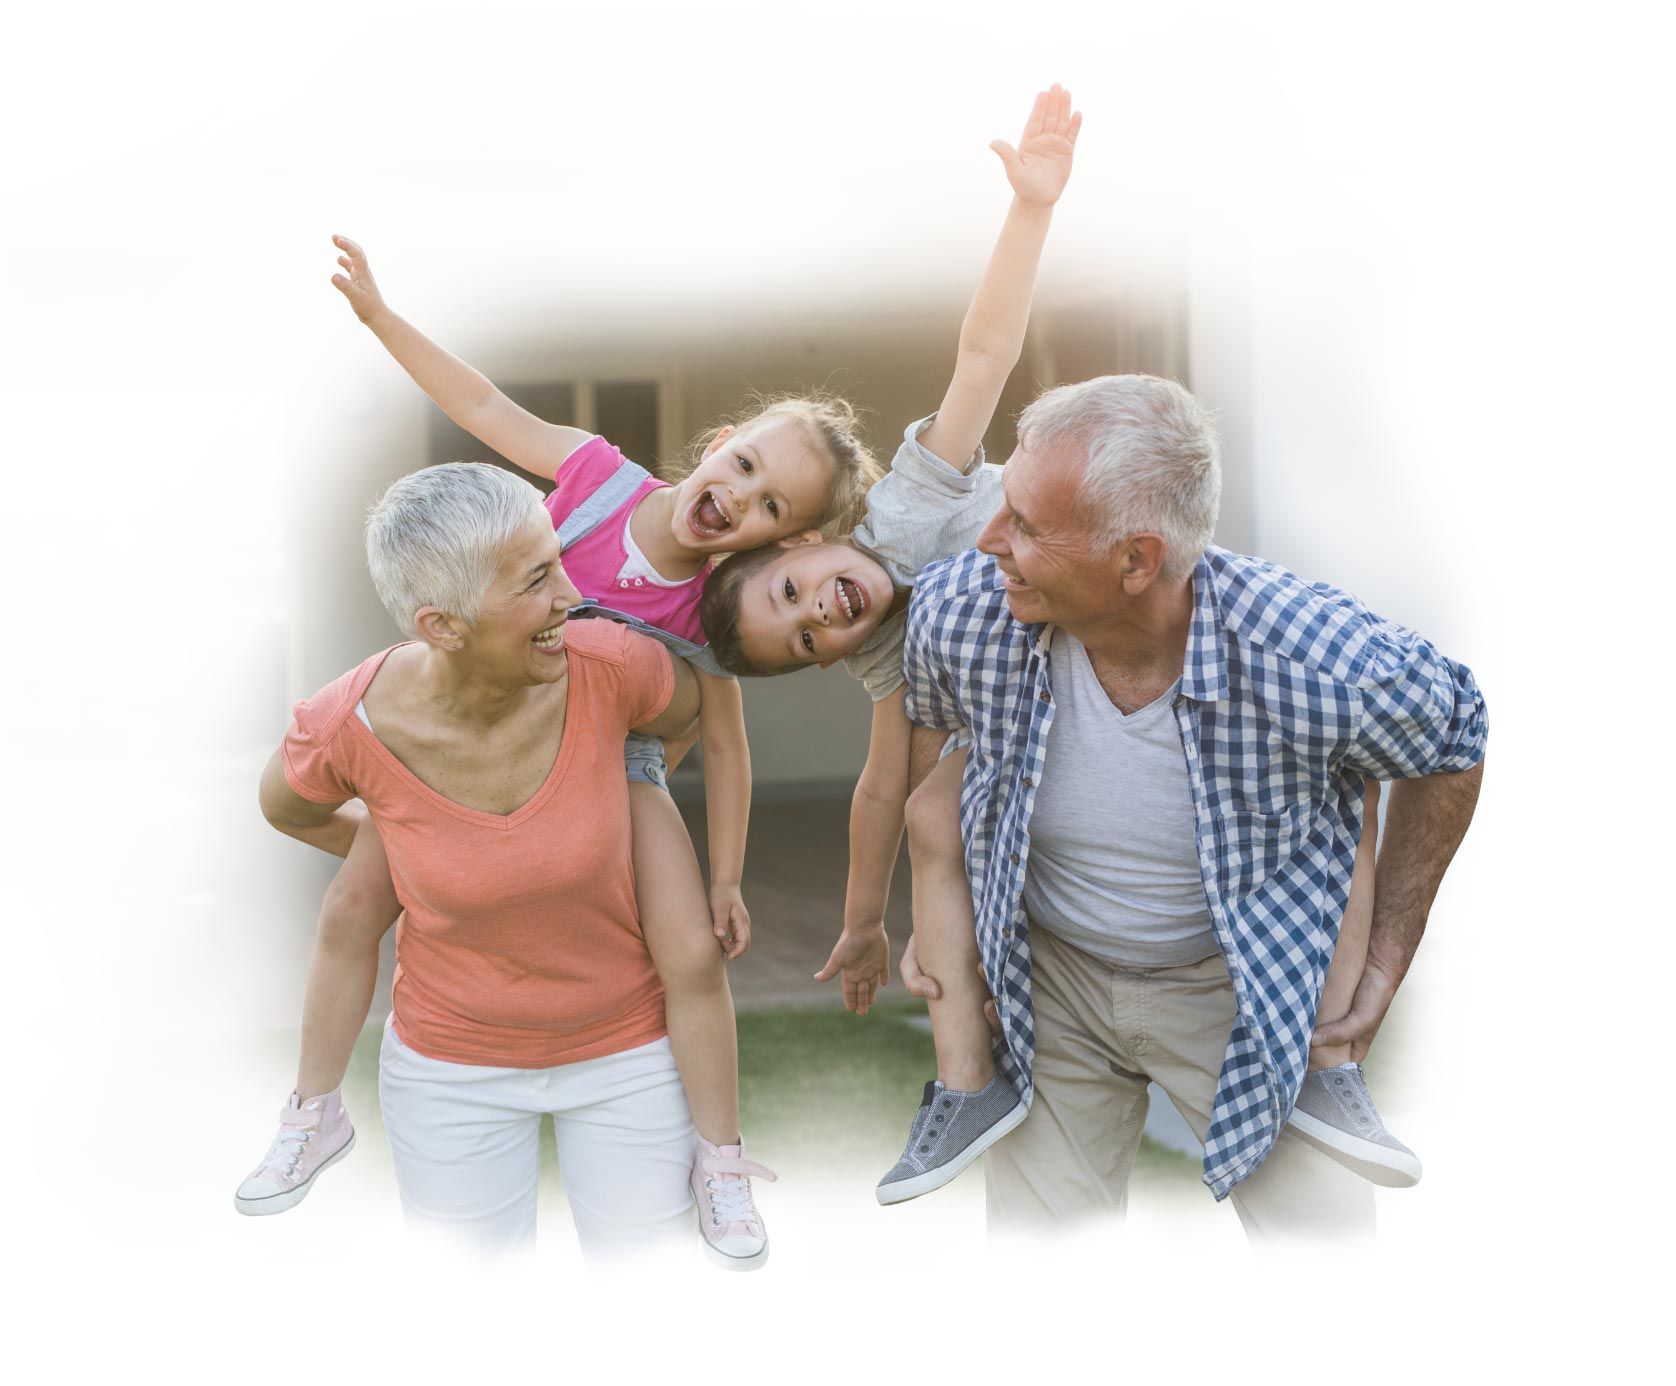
435,537
1153,459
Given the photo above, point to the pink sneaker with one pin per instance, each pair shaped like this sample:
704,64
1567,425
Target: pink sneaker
312,1135
732,1227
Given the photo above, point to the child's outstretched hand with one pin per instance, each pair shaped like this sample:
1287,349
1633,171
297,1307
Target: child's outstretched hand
1041,165
863,955
730,920
358,288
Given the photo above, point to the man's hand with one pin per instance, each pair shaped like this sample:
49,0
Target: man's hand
358,288
1367,1012
922,984
863,955
1041,165
729,919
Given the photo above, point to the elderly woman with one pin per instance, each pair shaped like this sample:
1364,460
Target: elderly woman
488,753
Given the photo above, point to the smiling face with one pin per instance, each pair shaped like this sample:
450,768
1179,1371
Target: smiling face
1043,539
766,481
518,637
813,604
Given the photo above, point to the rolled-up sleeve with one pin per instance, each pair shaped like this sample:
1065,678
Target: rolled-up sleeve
1421,712
930,700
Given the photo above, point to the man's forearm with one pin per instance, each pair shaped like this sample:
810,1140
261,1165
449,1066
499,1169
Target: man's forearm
1424,824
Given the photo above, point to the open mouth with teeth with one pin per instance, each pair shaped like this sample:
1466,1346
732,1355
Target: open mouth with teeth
550,640
851,598
707,519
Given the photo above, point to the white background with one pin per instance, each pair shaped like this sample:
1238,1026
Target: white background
1446,233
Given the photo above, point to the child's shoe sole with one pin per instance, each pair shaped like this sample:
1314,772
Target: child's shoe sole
1378,1164
737,1263
933,1179
279,1202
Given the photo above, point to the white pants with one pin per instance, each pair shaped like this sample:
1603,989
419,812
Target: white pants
465,1140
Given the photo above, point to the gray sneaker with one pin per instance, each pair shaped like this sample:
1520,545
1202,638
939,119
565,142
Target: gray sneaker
950,1130
1335,1114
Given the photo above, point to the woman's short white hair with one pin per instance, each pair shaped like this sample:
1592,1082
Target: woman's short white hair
1153,459
434,538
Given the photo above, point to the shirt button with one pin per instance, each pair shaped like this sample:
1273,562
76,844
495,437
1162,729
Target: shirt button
1013,858
1027,782
624,583
1045,696
1006,933
638,581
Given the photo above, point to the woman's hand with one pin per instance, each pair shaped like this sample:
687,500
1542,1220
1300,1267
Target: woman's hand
863,955
359,287
1041,165
729,919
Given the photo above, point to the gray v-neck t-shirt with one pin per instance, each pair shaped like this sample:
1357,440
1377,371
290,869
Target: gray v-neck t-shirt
1114,861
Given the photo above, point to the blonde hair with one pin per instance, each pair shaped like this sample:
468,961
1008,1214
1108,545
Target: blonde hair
832,425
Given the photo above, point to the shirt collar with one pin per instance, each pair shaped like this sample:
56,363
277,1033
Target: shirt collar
1204,673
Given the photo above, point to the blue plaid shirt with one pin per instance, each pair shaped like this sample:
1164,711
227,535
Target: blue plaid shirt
1291,693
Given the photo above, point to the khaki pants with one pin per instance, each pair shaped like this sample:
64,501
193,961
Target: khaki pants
1101,1033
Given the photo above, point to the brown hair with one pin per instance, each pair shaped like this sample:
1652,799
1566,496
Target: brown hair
718,612
832,423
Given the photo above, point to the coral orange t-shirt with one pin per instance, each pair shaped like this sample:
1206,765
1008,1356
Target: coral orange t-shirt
519,942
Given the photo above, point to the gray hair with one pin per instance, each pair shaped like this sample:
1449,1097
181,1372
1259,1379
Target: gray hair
1153,459
434,538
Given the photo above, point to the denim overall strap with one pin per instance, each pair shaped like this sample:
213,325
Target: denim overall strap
698,656
610,495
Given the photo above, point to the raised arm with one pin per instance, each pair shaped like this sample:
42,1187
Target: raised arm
465,395
727,802
992,336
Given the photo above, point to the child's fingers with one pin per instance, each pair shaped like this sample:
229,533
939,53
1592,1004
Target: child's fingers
1038,113
341,284
1076,124
344,261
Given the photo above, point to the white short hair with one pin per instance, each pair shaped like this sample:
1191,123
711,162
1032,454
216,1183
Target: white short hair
435,537
1153,460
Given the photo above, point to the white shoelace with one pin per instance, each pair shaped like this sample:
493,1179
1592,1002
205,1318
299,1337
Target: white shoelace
730,1200
287,1149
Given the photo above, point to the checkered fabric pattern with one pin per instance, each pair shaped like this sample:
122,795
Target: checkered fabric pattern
1291,694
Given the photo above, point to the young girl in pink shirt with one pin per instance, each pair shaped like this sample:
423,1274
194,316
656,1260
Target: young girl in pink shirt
639,549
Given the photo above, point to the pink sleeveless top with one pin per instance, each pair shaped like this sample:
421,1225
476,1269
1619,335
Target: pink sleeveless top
595,561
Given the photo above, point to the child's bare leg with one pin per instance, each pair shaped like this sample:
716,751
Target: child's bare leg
944,937
314,1127
1350,954
675,919
360,907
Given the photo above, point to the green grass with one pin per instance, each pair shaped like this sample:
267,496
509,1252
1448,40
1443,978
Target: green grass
821,1091
824,1090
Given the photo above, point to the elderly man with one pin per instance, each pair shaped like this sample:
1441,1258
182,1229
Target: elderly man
1148,710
